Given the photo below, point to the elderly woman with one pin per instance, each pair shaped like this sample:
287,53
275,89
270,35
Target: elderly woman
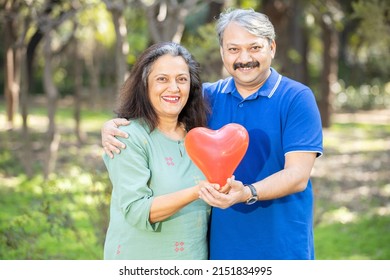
155,209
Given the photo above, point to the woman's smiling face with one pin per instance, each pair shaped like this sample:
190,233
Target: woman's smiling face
169,85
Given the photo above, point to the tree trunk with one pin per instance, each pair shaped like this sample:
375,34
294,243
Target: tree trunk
215,8
78,74
94,92
330,69
11,87
167,19
278,13
291,39
298,61
51,91
122,46
216,67
27,159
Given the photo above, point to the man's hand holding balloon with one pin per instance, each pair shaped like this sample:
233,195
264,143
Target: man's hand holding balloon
212,195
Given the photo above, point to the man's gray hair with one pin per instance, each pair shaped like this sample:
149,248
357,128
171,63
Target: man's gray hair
255,23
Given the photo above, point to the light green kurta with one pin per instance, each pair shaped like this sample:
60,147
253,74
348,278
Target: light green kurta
153,165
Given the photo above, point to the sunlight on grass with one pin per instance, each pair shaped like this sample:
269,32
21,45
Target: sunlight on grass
386,190
90,121
349,146
22,184
357,137
9,182
53,219
341,215
38,123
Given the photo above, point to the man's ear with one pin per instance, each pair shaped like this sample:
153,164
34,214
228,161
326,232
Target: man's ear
273,48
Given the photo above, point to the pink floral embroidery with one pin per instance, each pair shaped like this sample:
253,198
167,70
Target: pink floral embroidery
118,251
169,161
179,246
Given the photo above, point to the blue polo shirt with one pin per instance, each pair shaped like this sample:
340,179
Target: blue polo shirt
281,117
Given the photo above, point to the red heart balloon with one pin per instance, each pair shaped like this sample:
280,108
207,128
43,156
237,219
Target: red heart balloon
217,153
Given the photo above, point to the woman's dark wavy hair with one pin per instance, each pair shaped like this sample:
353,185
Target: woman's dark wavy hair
134,102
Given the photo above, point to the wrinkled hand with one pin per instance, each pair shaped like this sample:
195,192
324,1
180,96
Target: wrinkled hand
225,189
212,195
109,130
205,184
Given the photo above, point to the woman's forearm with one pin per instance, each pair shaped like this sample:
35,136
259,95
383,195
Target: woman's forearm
164,206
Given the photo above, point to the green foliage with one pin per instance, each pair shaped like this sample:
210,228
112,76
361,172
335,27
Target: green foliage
57,219
137,37
364,40
373,15
371,40
95,23
66,216
204,46
246,4
363,97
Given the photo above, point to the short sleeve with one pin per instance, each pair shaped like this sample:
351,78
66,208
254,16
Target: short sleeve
302,128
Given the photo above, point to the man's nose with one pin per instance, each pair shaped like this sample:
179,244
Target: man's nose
245,57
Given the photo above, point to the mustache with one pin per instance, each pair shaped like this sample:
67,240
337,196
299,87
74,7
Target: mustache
251,64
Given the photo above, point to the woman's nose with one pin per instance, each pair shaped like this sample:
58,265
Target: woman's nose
173,86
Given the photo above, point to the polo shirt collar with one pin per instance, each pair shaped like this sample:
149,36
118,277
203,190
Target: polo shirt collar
266,90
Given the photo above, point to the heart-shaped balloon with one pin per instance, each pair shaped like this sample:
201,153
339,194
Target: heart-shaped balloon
217,153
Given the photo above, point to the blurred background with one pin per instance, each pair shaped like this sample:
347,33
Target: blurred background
63,62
